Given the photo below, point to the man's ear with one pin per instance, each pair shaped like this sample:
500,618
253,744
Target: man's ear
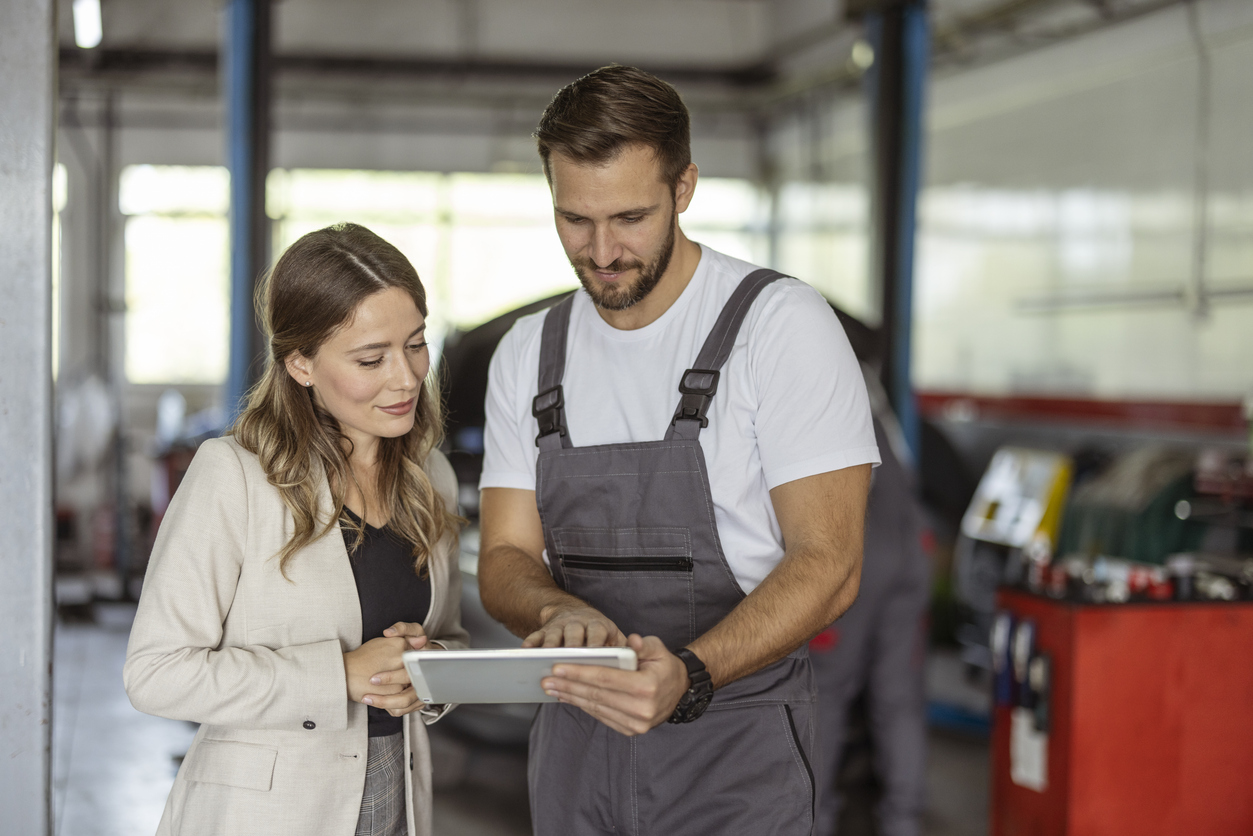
299,367
685,188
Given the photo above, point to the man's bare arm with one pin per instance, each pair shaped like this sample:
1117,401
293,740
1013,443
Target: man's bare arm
517,588
822,518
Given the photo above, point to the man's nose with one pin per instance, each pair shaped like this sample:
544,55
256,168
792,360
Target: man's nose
605,249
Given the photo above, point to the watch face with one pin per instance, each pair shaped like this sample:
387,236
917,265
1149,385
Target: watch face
691,706
700,704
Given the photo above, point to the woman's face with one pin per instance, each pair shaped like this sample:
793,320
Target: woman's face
368,374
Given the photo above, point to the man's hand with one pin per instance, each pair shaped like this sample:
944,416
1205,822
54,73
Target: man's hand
575,626
630,702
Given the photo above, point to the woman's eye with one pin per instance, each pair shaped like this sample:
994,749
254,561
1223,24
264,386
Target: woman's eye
417,346
371,364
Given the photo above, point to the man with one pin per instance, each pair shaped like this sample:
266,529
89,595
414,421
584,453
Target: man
878,646
714,539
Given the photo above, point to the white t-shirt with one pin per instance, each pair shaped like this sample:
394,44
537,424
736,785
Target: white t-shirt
790,403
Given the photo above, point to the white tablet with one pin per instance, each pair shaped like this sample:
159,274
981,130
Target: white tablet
500,676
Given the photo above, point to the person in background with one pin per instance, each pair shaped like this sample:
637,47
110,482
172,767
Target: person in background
302,554
879,645
715,538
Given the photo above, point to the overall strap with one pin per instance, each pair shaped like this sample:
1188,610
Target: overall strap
700,383
548,407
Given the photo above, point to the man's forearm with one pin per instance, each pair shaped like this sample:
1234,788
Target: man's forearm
518,591
786,610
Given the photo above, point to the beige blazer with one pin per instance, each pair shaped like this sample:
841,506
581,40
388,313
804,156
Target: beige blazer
222,639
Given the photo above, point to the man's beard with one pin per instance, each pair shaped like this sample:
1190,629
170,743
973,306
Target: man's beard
618,296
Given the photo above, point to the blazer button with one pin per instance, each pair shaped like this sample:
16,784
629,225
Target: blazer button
309,724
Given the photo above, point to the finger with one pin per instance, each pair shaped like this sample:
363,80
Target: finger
405,628
397,677
536,639
552,638
419,643
575,634
602,676
597,634
609,715
402,699
629,691
384,688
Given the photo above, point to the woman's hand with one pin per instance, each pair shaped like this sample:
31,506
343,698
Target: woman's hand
376,673
410,630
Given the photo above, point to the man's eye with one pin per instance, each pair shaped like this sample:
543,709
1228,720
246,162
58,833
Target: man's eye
633,219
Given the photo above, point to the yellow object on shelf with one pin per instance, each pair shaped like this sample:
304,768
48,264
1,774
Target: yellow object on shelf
1021,494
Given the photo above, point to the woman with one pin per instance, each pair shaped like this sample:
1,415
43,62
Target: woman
325,516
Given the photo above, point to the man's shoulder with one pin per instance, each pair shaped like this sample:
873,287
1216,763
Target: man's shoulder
726,272
521,339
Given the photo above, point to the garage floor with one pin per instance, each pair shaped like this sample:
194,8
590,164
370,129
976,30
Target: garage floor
113,766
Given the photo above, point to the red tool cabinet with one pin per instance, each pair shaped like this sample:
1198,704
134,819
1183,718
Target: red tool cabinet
1150,721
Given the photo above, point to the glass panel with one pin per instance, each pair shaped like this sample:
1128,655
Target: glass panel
485,243
823,241
332,195
516,198
173,189
177,299
1058,234
726,203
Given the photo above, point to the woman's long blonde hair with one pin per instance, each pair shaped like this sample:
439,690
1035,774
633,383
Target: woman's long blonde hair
313,290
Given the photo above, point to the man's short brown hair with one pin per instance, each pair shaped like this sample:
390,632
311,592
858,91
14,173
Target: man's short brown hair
593,119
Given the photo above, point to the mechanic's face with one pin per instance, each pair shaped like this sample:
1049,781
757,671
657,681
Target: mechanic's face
617,223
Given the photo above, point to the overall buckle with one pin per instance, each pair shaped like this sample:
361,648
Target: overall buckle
546,408
698,387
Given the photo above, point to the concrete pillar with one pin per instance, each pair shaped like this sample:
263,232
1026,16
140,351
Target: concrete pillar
28,65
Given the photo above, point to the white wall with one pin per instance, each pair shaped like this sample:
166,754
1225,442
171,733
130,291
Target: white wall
1064,172
1071,171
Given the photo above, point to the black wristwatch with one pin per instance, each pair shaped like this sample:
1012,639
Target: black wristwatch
696,698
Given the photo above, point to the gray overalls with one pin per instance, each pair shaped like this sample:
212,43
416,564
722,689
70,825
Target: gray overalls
630,529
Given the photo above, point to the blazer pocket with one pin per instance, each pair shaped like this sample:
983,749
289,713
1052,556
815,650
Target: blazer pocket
233,764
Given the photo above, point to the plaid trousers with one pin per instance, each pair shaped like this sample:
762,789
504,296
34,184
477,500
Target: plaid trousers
383,803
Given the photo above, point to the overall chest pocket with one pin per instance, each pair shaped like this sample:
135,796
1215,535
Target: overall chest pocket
641,578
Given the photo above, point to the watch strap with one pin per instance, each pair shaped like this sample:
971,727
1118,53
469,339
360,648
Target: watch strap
696,698
695,667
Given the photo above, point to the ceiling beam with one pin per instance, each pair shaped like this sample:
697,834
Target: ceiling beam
119,63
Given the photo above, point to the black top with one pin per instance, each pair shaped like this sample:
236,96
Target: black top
389,591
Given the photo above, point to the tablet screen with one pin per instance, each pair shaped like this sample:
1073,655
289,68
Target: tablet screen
500,676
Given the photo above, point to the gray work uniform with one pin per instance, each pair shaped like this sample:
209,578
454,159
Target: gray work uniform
630,529
880,647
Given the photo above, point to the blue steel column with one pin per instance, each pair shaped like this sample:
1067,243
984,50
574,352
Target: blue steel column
894,88
246,87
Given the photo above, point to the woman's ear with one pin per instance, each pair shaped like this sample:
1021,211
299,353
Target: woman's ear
299,367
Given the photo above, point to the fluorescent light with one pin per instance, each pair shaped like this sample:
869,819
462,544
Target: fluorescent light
88,30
